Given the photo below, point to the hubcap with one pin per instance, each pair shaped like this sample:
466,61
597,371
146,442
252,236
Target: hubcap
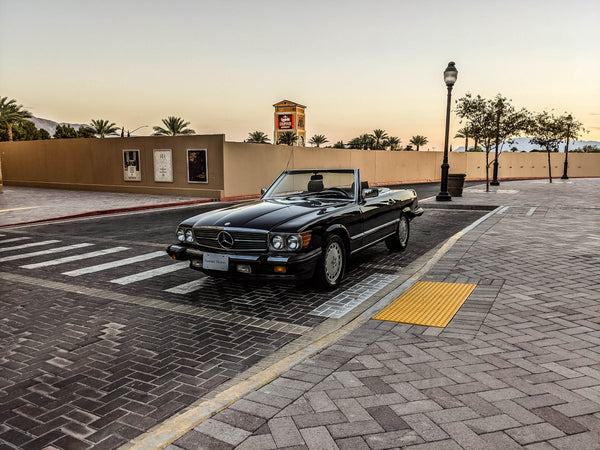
333,262
403,230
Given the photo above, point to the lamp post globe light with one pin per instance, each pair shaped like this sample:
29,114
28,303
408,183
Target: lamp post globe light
450,75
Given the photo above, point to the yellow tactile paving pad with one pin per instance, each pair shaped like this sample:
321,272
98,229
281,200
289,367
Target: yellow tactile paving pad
427,303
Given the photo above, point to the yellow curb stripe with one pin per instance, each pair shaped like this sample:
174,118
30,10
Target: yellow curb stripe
427,303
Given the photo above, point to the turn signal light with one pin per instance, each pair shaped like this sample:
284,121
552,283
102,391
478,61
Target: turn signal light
279,269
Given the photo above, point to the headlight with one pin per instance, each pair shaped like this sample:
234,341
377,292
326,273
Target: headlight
293,242
189,236
180,234
277,242
289,241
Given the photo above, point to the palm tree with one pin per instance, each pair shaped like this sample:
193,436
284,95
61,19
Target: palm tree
174,126
102,128
287,138
317,140
418,140
257,137
392,142
379,136
466,134
11,113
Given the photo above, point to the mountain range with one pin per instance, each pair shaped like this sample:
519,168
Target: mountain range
523,145
50,125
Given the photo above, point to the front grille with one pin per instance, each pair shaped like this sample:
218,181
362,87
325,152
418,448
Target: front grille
243,240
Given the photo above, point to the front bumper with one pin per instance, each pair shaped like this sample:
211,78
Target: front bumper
297,266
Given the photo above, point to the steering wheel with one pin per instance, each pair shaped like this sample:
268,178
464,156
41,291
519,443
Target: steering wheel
339,190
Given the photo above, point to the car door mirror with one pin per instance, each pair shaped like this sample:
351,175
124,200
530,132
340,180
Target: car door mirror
262,191
370,193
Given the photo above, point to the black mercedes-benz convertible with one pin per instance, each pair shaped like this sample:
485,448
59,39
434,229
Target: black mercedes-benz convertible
306,225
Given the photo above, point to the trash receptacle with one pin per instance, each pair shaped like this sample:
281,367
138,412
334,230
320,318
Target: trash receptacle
456,182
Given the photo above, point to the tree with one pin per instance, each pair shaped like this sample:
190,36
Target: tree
317,140
378,136
418,140
339,144
257,137
287,138
409,148
465,134
103,128
174,126
11,114
548,132
23,131
86,132
392,142
65,132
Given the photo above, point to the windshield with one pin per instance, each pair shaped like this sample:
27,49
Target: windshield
316,184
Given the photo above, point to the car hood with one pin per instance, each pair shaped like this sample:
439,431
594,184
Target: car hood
266,214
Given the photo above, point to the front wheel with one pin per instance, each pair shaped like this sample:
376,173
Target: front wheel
331,267
399,240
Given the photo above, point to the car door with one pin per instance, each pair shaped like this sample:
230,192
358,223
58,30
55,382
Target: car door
379,218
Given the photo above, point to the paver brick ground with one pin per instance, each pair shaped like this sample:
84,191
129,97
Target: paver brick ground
517,367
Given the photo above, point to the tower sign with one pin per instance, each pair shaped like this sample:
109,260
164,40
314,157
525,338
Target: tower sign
289,116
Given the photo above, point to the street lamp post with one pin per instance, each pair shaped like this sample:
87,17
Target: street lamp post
499,107
566,164
129,132
450,75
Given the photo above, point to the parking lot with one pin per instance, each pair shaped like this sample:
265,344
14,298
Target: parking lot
105,336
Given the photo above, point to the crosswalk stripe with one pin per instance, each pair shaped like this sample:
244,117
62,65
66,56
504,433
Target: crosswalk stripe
44,252
150,273
6,241
33,244
188,287
110,265
67,259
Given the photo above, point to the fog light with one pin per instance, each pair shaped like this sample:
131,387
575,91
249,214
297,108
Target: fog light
196,263
244,268
279,269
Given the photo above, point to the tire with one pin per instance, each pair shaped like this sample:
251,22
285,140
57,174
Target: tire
399,240
332,265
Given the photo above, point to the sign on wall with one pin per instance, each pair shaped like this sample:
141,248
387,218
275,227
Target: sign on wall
163,166
197,166
131,165
285,122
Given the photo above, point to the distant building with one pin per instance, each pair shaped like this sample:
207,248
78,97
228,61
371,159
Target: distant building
289,116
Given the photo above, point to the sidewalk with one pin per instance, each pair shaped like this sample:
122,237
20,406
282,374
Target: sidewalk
517,367
25,205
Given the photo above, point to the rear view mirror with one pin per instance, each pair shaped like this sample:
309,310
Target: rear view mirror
262,191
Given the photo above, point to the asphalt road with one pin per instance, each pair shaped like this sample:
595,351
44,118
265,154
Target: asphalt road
99,344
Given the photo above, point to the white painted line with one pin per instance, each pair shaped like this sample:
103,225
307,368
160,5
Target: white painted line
68,259
347,300
151,273
503,210
44,252
118,263
531,211
481,219
17,239
188,287
33,244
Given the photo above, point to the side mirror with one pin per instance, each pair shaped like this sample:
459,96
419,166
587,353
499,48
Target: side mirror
262,191
370,193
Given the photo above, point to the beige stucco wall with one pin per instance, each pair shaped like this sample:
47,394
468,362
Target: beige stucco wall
239,170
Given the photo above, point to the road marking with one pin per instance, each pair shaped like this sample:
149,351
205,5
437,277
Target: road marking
6,241
118,263
150,273
349,299
67,259
503,210
188,287
33,244
531,211
17,209
44,252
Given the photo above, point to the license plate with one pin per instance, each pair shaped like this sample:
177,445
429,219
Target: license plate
215,261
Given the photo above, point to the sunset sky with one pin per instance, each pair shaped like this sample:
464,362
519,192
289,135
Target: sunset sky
356,65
